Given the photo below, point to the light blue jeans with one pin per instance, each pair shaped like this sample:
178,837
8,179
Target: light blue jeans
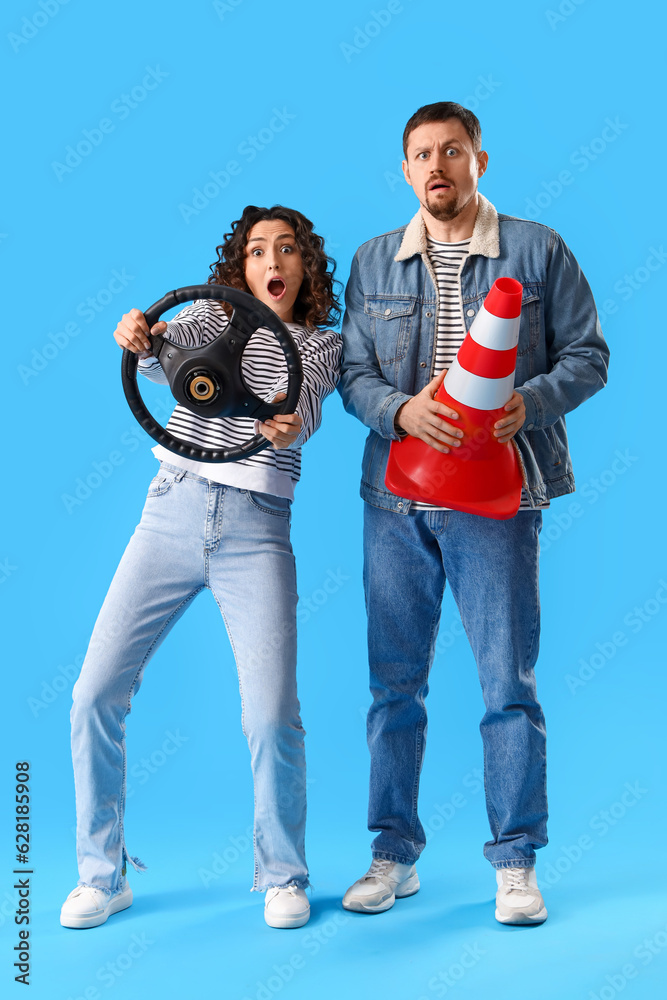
196,534
492,569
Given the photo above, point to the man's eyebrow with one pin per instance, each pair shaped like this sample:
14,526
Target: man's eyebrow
446,142
280,236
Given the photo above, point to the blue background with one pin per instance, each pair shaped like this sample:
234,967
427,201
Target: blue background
543,84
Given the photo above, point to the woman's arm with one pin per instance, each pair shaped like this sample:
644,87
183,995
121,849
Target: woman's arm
320,360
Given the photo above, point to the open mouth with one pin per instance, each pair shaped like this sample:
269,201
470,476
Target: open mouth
439,186
276,288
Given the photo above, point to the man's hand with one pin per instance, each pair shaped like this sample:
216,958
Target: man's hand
422,416
282,429
509,425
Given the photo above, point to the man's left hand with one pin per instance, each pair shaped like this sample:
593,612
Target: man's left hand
506,428
282,429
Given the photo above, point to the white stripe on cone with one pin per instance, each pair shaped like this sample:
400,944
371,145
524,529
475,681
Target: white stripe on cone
493,332
475,390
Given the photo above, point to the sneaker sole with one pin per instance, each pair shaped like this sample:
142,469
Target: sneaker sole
81,922
294,920
407,888
522,919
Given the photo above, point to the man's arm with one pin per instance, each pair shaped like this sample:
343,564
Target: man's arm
576,348
377,403
364,391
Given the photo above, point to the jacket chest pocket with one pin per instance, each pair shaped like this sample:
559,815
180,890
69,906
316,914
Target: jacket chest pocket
531,317
390,323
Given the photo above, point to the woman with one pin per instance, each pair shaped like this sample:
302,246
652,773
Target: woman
184,544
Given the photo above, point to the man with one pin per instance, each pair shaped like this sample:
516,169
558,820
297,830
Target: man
411,296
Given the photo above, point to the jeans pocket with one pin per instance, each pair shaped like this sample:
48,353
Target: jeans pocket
269,503
161,483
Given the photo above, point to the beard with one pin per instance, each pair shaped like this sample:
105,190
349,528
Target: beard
444,211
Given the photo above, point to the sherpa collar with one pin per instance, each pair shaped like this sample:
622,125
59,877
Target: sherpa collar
485,237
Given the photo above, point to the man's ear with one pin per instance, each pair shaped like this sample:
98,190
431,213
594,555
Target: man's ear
406,172
482,162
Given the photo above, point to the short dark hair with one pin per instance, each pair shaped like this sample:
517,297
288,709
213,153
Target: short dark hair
441,112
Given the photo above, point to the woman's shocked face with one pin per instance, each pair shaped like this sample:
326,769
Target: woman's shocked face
273,266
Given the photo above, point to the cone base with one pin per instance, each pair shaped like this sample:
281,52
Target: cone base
471,487
499,508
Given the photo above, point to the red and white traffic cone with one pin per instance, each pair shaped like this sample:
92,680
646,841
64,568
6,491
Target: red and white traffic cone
481,476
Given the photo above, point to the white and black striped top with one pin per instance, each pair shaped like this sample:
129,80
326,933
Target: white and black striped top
448,260
265,371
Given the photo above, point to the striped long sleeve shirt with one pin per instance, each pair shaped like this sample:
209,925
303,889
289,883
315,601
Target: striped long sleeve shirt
264,369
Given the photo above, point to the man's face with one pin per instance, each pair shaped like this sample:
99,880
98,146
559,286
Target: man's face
443,168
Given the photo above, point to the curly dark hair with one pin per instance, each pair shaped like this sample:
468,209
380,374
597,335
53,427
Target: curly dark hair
317,303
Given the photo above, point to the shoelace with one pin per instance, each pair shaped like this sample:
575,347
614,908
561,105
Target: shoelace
81,889
283,888
379,867
515,878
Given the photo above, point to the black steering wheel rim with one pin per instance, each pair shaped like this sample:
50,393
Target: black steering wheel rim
224,354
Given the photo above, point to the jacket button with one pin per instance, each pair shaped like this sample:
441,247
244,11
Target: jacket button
529,427
429,314
470,312
387,312
422,364
400,506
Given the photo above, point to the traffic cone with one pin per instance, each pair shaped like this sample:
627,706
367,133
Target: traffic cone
481,476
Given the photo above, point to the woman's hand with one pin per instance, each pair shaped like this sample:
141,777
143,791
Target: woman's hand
132,332
282,429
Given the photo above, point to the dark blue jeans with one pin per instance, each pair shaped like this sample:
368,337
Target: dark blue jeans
492,568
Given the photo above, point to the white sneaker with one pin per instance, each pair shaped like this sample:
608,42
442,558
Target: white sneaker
384,883
518,900
88,907
286,907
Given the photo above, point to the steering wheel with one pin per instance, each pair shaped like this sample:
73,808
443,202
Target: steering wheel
208,381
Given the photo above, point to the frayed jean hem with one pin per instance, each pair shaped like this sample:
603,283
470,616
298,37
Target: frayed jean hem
397,858
102,888
300,883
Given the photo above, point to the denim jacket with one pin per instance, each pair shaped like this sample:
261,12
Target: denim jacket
389,333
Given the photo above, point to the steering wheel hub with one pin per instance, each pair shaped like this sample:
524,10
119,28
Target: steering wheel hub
203,387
